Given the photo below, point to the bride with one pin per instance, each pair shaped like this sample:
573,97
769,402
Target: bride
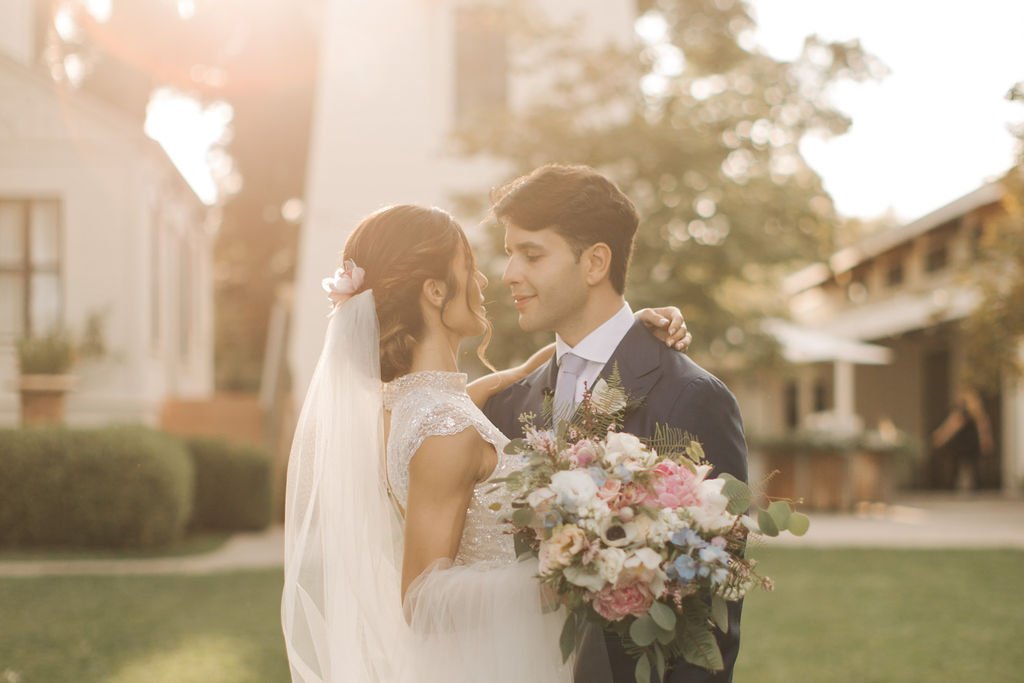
397,566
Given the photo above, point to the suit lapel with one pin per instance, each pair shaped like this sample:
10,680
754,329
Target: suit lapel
637,357
539,385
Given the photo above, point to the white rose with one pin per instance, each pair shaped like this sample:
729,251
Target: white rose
645,565
643,558
574,489
567,541
539,497
620,446
584,579
711,514
663,527
609,563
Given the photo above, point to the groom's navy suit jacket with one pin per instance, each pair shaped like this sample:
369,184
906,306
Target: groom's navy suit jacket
676,392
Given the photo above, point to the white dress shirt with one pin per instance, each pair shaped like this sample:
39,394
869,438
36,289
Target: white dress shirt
597,347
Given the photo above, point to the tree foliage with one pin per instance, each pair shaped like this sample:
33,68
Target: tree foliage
260,57
702,130
994,331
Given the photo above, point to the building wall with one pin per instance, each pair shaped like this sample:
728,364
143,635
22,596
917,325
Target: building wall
112,183
381,131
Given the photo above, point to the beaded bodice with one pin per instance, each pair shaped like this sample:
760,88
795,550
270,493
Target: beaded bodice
425,404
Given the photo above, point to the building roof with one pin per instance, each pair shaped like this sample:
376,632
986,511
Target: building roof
97,110
804,345
845,259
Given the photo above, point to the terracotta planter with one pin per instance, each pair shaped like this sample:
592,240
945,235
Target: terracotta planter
828,483
42,398
870,477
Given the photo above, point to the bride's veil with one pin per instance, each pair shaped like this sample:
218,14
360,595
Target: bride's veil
341,609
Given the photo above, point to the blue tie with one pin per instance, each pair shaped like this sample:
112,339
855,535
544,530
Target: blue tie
569,369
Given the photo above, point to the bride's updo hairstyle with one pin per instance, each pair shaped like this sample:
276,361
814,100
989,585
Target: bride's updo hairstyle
399,248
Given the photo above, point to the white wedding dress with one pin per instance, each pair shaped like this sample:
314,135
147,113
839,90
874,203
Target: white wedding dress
479,618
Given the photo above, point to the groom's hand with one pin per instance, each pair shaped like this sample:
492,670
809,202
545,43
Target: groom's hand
667,324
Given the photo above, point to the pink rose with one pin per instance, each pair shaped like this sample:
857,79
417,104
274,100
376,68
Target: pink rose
675,486
609,490
346,282
617,602
631,494
582,453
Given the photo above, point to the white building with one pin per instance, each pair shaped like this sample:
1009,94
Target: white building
395,77
96,221
889,310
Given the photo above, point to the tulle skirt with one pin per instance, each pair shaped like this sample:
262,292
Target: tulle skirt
481,622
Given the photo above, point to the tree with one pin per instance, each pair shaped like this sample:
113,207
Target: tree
702,130
260,57
994,331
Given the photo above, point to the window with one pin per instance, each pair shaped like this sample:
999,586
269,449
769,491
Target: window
937,257
791,403
155,274
481,61
31,295
894,274
820,396
186,287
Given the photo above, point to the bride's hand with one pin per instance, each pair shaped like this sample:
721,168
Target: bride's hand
667,324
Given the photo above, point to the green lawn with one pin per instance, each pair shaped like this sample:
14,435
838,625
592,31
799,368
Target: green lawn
192,544
868,616
222,628
836,616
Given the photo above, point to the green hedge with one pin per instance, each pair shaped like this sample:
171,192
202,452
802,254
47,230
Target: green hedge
233,489
124,486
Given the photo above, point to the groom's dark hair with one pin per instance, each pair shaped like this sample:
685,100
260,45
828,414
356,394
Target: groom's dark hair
579,204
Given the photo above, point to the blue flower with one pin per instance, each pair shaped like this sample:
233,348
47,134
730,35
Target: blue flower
714,555
598,475
552,519
623,473
685,567
688,538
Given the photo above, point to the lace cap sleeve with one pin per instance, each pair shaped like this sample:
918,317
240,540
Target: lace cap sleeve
414,420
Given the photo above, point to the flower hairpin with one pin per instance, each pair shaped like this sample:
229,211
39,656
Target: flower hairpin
346,282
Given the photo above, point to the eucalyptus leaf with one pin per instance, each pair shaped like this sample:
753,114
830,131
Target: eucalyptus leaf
643,670
780,512
694,451
643,631
516,446
567,641
659,663
799,523
738,494
699,645
767,523
522,517
720,613
663,616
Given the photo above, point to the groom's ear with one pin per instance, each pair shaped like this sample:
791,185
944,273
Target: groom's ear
434,292
597,261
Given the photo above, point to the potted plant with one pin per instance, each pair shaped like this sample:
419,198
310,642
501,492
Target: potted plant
44,364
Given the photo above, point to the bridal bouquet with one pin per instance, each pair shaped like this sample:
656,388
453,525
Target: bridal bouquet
637,536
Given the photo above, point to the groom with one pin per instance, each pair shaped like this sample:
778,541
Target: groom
569,234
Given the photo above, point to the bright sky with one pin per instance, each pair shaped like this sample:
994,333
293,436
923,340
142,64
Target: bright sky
937,127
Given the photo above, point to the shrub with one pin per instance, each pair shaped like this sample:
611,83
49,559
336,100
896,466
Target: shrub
123,486
233,486
53,354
